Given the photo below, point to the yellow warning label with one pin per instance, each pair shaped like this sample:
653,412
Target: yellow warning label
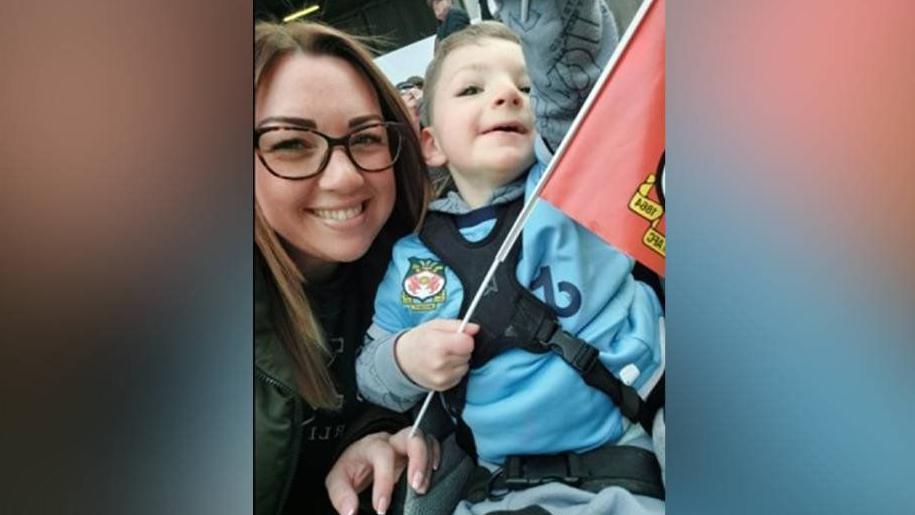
655,241
646,208
651,211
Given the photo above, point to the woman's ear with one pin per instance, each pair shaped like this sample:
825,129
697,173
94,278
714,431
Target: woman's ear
431,151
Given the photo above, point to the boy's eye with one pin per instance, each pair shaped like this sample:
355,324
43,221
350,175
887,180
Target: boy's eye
469,90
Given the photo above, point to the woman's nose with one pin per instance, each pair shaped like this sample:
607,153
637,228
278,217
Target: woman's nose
340,173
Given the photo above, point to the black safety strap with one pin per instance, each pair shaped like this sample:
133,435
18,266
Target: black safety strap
442,236
633,468
585,360
470,261
456,400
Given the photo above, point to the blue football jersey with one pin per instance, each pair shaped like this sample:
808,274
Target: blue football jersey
521,402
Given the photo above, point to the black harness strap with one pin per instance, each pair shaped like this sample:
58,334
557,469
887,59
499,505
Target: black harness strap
442,236
470,261
510,316
585,360
626,466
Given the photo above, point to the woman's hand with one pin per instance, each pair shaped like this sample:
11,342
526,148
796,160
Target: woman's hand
434,355
380,458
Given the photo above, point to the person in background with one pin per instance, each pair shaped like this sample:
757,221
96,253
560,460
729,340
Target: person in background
450,18
414,81
338,177
411,91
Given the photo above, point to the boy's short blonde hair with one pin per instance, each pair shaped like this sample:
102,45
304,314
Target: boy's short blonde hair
469,35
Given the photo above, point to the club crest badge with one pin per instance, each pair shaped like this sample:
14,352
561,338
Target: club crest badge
424,285
651,208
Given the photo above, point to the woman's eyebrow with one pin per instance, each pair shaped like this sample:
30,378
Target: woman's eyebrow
289,120
361,120
310,124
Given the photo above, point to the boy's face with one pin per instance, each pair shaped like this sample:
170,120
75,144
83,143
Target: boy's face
482,124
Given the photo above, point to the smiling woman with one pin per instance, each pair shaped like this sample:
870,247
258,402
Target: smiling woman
338,177
308,214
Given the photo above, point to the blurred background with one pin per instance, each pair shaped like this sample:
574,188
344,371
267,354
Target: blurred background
400,22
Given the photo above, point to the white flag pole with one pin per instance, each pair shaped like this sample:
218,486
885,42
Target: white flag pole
528,207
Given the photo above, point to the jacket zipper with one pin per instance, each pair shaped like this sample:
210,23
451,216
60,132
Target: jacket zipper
297,418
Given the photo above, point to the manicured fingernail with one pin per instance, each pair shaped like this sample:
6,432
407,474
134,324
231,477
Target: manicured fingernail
349,510
417,480
382,506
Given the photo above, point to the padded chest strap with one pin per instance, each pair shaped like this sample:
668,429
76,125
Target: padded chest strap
497,311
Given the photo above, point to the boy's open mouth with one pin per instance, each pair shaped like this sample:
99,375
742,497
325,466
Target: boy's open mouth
507,127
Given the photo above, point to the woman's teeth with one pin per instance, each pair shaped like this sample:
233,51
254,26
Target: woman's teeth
339,214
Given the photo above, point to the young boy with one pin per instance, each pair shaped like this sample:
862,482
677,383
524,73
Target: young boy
479,124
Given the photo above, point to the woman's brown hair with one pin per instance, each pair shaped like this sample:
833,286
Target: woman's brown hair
297,325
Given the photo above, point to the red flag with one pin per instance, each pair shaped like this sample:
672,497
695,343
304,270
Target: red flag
606,179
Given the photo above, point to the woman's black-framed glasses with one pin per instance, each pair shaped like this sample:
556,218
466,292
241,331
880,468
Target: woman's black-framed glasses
296,153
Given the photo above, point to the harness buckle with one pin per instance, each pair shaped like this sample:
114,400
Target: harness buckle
522,472
577,353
